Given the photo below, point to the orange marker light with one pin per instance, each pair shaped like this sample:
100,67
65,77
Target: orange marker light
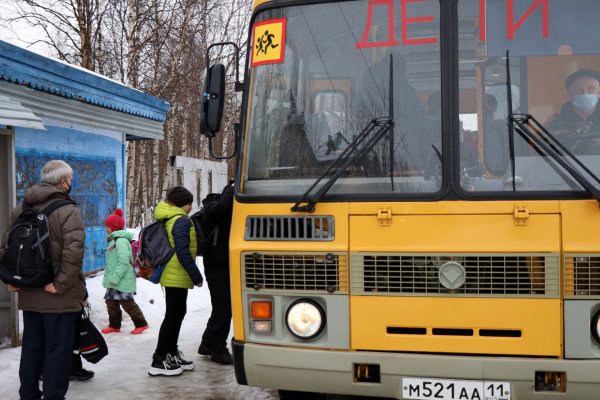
261,310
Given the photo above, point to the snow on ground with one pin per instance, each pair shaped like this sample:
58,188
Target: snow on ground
122,375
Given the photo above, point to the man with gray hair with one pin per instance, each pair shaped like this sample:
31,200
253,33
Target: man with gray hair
50,312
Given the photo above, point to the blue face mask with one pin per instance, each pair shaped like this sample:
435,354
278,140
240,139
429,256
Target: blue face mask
585,102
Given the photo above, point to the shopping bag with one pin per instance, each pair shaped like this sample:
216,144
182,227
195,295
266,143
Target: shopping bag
92,345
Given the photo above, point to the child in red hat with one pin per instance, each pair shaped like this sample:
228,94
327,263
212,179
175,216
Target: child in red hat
119,276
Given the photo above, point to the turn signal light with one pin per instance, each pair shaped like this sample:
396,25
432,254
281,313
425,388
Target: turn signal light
261,310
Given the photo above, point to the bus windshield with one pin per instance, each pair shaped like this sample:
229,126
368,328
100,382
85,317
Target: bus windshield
325,82
321,73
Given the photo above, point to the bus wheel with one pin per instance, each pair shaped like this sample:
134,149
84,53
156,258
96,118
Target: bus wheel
292,395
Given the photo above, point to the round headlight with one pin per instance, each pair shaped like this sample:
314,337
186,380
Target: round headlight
305,319
595,325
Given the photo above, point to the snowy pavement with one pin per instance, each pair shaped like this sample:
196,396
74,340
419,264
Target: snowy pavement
122,375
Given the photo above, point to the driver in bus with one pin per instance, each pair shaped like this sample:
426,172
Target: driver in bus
412,141
578,124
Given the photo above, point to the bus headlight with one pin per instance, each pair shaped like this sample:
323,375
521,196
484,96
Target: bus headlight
305,319
596,326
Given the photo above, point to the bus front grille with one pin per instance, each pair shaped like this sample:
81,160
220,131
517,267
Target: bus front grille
530,275
314,228
316,272
582,276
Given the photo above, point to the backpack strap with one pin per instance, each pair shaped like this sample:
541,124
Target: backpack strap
164,223
55,205
47,211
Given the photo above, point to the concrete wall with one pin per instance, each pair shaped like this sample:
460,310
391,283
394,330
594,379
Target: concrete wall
200,177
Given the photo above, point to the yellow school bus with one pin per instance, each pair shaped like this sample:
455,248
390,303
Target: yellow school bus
417,199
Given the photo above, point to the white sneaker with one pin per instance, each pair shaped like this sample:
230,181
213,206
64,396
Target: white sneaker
177,359
164,366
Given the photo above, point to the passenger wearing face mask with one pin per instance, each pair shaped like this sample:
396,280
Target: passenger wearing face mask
578,124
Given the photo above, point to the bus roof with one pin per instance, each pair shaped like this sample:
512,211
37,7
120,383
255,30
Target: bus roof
257,3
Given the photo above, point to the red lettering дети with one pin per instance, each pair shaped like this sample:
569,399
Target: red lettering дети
512,28
414,20
391,41
405,21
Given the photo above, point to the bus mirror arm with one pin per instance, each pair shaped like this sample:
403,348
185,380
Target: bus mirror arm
213,99
546,143
360,145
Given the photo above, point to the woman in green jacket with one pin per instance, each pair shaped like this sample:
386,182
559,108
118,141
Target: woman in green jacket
119,277
180,274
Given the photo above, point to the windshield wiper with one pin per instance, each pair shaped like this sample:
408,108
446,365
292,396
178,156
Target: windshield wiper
534,132
360,146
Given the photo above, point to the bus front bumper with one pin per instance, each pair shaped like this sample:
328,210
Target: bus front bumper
333,371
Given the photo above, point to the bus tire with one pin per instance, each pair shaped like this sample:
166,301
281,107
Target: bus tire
293,395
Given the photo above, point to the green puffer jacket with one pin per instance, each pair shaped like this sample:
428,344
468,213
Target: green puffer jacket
119,274
175,274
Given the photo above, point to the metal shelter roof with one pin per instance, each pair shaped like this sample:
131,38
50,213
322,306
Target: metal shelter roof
137,114
13,113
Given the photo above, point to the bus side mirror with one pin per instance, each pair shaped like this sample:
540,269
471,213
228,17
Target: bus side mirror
213,97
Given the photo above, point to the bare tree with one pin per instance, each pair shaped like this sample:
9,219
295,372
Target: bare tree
72,27
158,46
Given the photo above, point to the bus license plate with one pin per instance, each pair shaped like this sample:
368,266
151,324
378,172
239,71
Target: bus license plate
445,389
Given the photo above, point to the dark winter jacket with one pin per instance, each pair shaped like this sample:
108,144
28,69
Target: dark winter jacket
218,213
580,135
67,237
181,271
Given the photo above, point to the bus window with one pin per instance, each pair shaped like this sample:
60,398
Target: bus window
545,46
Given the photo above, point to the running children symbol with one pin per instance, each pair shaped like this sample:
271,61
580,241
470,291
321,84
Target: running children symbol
268,42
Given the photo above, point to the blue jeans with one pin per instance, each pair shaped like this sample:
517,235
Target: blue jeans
46,349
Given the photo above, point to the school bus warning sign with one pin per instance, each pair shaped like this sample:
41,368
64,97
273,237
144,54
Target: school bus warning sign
268,41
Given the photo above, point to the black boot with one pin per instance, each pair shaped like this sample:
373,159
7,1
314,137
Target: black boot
81,375
205,349
222,356
77,371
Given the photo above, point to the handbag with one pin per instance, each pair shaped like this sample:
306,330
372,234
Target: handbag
92,345
156,274
149,273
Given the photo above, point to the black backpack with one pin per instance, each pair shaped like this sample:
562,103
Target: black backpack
205,235
27,259
154,249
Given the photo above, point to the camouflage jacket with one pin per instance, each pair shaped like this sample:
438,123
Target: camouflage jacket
581,136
